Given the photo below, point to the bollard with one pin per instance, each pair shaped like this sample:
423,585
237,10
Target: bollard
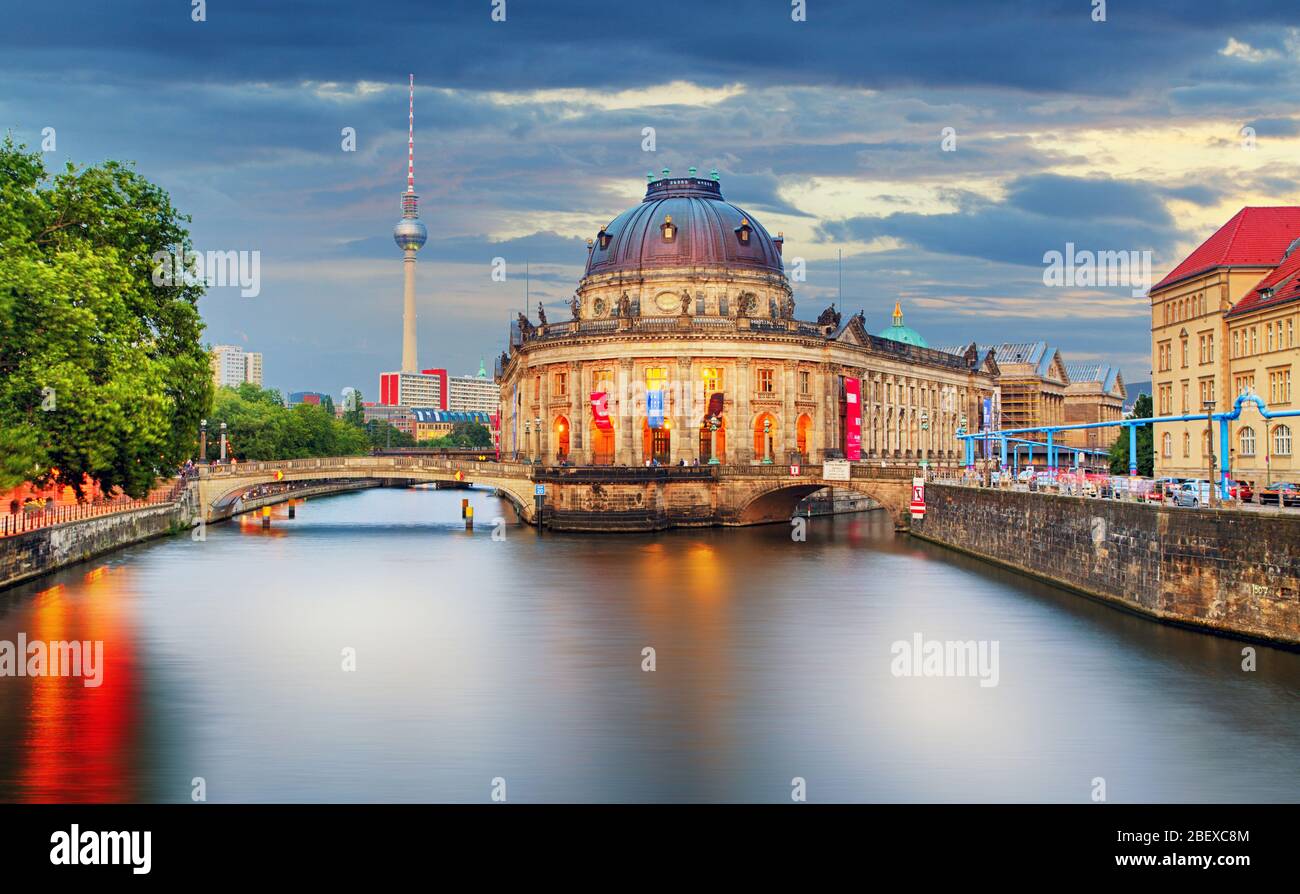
266,516
468,511
464,507
293,510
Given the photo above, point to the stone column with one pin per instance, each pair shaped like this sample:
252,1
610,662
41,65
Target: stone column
579,449
544,413
788,423
685,433
623,449
829,409
738,431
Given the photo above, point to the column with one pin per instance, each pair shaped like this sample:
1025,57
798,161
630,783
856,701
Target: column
579,448
686,430
785,443
623,449
740,437
544,413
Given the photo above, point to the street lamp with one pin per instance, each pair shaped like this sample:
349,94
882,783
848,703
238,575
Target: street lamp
203,440
223,442
767,442
1209,444
528,439
537,427
714,425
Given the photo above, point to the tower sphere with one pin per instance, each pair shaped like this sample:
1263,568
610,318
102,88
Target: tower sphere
410,234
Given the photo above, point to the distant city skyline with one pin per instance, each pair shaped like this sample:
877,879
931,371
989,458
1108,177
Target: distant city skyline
1127,136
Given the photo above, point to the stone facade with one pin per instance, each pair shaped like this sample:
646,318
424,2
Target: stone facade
1228,572
693,306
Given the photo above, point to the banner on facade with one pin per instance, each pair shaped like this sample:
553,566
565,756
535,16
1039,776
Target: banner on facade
600,410
852,419
715,405
654,408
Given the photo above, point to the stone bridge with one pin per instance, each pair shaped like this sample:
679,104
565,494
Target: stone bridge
579,498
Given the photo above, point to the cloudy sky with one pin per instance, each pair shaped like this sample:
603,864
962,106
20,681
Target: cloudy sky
1125,134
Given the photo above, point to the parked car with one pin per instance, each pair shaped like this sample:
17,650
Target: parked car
1162,489
1241,490
1281,493
1192,494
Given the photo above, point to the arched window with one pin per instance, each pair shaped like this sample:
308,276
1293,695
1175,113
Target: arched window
1187,444
1282,440
1246,439
1167,445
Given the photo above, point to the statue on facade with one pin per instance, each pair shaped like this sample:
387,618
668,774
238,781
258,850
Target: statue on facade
624,305
525,327
686,303
745,307
575,306
541,314
829,317
787,308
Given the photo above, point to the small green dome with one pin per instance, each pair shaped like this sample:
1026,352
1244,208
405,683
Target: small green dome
898,332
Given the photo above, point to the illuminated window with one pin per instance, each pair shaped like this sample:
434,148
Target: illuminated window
602,380
656,377
712,377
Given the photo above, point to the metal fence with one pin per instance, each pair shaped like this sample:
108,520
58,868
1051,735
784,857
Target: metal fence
25,520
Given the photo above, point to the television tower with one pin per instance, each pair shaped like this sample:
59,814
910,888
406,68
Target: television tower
410,235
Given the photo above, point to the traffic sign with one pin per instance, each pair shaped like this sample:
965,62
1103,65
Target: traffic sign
539,490
918,498
794,468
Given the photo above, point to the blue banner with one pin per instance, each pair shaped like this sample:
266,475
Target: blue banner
654,408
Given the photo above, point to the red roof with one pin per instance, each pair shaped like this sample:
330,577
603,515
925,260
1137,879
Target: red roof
1280,286
1255,237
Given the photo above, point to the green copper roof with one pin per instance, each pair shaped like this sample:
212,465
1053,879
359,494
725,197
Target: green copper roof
898,332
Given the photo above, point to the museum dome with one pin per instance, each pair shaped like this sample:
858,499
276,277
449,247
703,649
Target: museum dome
684,222
905,334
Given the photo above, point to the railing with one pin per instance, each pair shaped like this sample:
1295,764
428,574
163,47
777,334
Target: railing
30,520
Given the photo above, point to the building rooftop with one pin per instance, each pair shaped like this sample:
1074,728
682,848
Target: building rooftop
1254,237
899,332
1109,376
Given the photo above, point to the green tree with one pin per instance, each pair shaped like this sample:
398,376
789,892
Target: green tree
1145,443
260,426
356,415
102,371
380,434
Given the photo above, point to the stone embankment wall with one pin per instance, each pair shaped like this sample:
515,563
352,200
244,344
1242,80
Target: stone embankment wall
1229,571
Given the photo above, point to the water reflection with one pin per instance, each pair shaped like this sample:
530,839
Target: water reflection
523,659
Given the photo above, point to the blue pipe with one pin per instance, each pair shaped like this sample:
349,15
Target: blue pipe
1133,451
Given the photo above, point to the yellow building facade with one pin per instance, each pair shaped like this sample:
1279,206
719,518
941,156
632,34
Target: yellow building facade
1215,334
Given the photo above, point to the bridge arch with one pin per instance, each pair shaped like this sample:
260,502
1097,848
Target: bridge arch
776,501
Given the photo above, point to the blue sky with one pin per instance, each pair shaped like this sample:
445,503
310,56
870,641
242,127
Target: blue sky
1115,135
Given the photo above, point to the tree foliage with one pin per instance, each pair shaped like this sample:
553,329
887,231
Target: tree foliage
102,372
260,427
1145,443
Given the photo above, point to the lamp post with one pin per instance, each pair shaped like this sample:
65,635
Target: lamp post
713,440
925,440
203,440
537,427
223,442
767,442
1209,443
528,439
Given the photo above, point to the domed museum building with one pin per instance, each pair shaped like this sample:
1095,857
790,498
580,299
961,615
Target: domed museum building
682,345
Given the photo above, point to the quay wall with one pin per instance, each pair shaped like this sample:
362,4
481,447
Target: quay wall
1228,571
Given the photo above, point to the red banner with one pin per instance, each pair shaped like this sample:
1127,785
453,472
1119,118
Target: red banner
600,410
852,420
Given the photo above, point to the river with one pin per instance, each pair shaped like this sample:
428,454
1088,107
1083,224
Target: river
521,659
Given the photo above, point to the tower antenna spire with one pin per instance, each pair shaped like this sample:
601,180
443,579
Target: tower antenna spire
410,141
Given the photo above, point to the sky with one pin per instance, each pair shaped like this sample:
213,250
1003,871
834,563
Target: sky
1124,134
